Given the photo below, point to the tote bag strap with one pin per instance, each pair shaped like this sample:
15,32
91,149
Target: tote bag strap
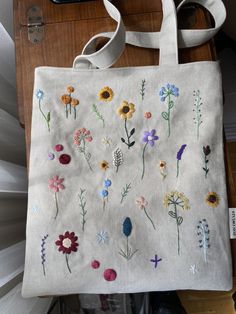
186,38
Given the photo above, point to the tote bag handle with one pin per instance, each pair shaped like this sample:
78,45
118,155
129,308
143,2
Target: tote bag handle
109,54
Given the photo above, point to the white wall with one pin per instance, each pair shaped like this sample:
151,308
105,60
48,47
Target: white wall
6,15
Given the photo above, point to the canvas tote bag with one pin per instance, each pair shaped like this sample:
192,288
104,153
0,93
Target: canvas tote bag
127,183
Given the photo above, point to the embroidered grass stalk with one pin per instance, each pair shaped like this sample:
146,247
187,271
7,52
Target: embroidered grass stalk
82,204
206,152
127,229
47,118
203,233
178,157
43,254
166,93
98,114
125,192
142,90
198,116
118,158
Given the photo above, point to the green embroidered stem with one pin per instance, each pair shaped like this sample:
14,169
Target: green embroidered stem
127,246
177,169
143,158
206,169
67,263
66,110
47,119
87,156
126,190
177,224
82,205
169,107
149,218
104,204
70,108
99,115
197,110
44,270
126,131
74,113
57,209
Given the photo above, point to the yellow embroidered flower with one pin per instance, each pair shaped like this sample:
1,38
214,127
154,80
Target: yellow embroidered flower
66,99
74,102
212,199
126,110
176,198
70,89
105,94
104,165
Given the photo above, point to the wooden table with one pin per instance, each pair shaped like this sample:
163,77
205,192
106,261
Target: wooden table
68,27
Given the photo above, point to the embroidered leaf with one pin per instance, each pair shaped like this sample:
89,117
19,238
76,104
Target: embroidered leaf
99,115
122,140
127,227
125,192
132,131
118,158
165,115
171,104
132,144
172,214
179,220
48,117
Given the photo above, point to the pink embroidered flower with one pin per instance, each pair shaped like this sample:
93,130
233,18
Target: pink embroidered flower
55,184
141,202
147,115
82,135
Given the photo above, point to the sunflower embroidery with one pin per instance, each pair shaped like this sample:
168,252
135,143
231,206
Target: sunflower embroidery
67,244
212,199
125,112
106,94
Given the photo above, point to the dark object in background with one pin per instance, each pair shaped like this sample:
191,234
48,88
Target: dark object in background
68,1
166,303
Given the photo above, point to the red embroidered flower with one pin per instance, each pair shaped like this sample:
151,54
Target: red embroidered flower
64,159
67,242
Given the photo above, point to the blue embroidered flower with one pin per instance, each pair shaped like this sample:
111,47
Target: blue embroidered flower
167,91
150,137
104,193
39,94
107,183
180,152
102,237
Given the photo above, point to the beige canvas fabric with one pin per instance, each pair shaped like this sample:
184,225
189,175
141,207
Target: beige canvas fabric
127,183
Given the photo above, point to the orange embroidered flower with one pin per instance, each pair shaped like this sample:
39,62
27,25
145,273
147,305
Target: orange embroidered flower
147,115
66,99
74,102
70,89
104,165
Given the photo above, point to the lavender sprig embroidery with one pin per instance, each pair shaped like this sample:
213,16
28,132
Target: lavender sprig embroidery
127,229
148,138
166,93
82,205
43,254
142,90
178,157
206,152
203,233
47,118
198,115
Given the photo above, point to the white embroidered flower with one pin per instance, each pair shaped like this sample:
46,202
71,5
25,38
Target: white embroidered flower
193,269
102,237
106,141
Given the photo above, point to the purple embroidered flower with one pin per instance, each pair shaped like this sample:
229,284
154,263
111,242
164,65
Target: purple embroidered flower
150,137
180,152
167,91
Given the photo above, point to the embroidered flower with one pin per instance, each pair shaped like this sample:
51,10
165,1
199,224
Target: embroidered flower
109,274
70,89
104,165
162,166
127,230
102,237
178,157
39,94
107,183
80,138
126,110
212,199
206,152
69,102
106,141
105,94
167,91
66,99
104,193
142,204
46,116
148,138
74,102
147,115
64,159
67,244
55,185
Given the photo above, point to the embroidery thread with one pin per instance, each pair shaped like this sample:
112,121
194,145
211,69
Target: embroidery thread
178,157
203,233
118,158
176,199
47,118
142,204
127,229
82,205
55,185
198,116
81,137
125,192
125,112
148,138
98,114
67,244
43,254
206,152
166,93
